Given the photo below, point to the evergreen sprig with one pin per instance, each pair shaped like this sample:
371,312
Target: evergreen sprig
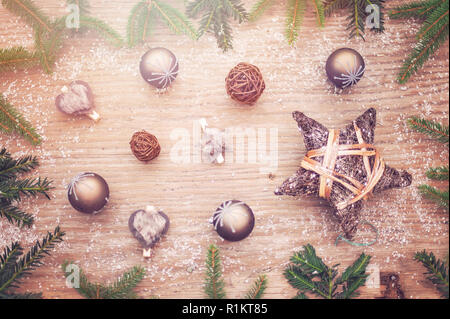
359,11
437,270
308,273
295,13
122,288
214,285
433,33
14,266
17,58
30,12
11,121
146,13
12,187
215,16
438,132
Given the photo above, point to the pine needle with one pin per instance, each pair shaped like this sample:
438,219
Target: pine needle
438,173
11,276
27,10
432,193
258,288
437,271
433,129
103,28
122,288
12,121
17,58
430,37
308,273
295,13
214,285
259,8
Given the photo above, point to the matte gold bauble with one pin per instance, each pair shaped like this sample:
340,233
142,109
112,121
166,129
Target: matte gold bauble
159,67
233,220
88,193
345,67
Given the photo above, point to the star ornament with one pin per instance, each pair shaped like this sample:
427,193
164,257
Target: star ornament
343,167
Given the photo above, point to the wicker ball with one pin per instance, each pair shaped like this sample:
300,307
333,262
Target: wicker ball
144,146
245,83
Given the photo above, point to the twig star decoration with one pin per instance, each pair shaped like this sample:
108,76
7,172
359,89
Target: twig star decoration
343,167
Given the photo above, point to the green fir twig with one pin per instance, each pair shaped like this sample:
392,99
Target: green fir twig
215,16
434,32
122,288
433,129
437,271
13,267
308,273
258,288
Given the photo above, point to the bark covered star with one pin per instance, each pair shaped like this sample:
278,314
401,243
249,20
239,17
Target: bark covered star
307,182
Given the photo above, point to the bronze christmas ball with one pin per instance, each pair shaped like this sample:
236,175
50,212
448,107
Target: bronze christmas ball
159,67
233,220
245,83
345,67
88,193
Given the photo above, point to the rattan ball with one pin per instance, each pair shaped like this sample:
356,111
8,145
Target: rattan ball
245,83
144,146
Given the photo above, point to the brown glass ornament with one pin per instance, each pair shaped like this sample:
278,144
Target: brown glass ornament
88,193
147,226
233,220
159,67
345,67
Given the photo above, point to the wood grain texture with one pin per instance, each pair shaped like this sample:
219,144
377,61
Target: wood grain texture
190,192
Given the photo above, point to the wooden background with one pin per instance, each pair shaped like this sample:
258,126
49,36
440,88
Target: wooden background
190,192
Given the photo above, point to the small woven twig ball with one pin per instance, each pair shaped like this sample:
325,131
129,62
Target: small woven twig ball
144,146
245,83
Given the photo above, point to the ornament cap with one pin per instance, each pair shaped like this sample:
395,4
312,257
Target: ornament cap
94,116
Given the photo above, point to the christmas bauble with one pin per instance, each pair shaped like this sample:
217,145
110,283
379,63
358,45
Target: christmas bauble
345,67
245,83
144,146
159,67
88,193
147,226
233,220
77,99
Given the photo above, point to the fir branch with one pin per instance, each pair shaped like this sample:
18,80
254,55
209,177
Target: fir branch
356,19
295,13
430,37
21,295
308,273
132,26
176,21
433,129
259,8
258,288
13,189
216,16
9,257
418,9
214,285
332,5
17,58
15,215
103,28
437,270
11,121
122,288
320,13
11,277
27,10
438,173
9,167
432,193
